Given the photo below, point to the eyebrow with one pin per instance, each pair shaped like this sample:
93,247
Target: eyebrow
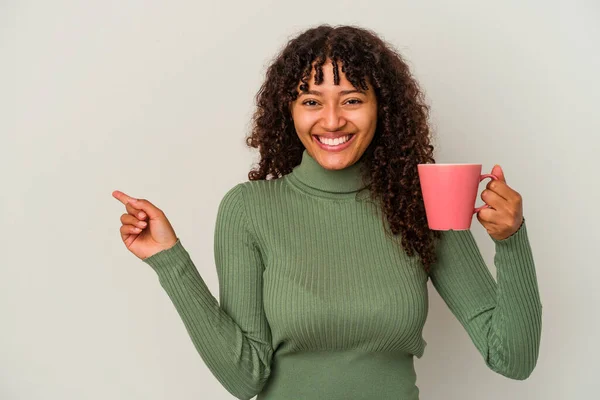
343,92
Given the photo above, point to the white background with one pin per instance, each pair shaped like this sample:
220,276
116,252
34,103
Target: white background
154,98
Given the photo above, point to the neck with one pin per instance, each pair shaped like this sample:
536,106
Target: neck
310,173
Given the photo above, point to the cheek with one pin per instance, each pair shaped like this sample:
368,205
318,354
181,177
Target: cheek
366,121
303,122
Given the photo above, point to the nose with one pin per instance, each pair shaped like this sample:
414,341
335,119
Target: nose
332,118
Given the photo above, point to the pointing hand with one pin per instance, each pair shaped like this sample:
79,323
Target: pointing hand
145,230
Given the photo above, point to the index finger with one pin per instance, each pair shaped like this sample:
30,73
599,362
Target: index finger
501,188
122,197
134,205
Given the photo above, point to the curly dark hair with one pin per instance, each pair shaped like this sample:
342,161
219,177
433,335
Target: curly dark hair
401,140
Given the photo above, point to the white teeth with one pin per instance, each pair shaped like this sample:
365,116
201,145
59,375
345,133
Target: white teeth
334,142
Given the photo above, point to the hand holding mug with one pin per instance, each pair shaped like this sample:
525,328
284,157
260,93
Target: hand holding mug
145,230
504,215
450,193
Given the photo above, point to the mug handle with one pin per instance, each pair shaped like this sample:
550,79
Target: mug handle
482,177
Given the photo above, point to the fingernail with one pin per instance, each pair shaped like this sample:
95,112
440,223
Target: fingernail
141,215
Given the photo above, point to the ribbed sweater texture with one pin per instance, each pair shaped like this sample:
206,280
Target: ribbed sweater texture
317,302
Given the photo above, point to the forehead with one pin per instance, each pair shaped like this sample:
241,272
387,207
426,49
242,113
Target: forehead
328,74
328,82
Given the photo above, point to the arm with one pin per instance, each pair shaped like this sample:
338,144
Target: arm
503,318
233,338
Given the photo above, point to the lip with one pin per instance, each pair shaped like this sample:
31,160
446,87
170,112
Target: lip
333,149
333,135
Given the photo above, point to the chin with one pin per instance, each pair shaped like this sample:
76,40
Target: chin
332,160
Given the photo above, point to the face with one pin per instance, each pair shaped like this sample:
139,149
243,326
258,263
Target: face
341,113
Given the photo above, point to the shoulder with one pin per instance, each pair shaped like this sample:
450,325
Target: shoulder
251,194
258,192
244,205
231,213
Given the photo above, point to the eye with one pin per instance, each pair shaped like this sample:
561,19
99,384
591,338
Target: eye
308,101
312,103
358,101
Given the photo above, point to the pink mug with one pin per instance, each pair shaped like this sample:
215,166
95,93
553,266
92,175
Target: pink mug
449,193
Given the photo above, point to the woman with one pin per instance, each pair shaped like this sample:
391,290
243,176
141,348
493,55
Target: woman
323,256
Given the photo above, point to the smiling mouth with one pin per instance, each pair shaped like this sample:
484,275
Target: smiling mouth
335,145
346,138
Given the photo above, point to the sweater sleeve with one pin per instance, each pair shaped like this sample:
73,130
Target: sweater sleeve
233,337
503,317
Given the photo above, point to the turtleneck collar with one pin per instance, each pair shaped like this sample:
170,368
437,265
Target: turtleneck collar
334,182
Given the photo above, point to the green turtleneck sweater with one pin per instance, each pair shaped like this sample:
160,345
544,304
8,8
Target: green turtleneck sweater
317,302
